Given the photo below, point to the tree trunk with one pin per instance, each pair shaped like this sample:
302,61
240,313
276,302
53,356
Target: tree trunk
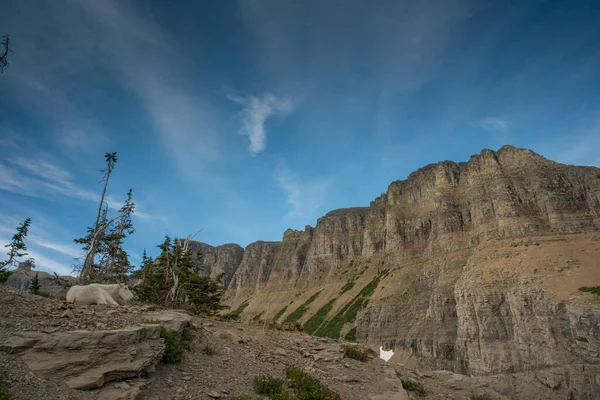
89,259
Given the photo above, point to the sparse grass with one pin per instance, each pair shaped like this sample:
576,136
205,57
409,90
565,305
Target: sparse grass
300,311
557,387
590,289
235,315
307,387
208,350
476,397
280,313
413,387
349,285
349,312
244,397
231,317
355,353
173,348
257,316
351,335
272,387
4,392
317,320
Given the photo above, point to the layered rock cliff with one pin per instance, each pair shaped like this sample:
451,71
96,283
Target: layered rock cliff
470,266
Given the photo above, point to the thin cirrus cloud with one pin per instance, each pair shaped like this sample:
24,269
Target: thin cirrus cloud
127,44
304,198
40,178
143,61
494,124
38,244
256,110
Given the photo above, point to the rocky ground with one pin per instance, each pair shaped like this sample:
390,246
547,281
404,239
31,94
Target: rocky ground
50,347
244,351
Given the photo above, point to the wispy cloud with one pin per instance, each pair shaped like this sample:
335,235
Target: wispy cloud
38,177
304,198
116,40
42,261
254,116
143,57
494,124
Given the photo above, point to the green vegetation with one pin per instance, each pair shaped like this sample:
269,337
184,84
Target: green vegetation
105,238
355,353
34,286
235,315
351,335
304,386
269,386
307,387
4,392
174,280
557,387
475,397
280,313
187,339
317,320
300,311
16,249
348,313
173,348
257,316
349,285
208,350
590,289
413,387
174,344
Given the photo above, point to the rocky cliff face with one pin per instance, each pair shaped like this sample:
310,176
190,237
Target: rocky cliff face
21,279
218,260
469,266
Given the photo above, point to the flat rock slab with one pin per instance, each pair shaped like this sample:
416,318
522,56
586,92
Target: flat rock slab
88,359
174,320
399,395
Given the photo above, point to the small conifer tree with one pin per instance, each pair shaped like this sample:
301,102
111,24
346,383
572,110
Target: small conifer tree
16,250
34,286
175,280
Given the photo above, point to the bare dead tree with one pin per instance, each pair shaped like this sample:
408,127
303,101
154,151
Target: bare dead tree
99,226
4,57
185,247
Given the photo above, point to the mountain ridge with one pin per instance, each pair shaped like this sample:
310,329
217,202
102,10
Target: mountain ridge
481,262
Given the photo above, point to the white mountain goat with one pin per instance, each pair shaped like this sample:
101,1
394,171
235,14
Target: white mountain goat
96,293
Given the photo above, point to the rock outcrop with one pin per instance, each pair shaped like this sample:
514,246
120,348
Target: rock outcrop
90,348
21,279
471,267
89,359
218,260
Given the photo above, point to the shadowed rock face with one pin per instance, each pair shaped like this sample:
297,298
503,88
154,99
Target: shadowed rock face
484,260
218,260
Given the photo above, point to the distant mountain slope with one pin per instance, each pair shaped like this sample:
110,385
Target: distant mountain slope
21,279
470,266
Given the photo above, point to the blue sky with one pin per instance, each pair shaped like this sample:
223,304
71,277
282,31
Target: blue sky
245,118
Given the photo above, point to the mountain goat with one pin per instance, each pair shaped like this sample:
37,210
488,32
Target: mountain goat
96,293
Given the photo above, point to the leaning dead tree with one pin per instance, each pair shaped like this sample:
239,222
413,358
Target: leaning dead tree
4,57
97,231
